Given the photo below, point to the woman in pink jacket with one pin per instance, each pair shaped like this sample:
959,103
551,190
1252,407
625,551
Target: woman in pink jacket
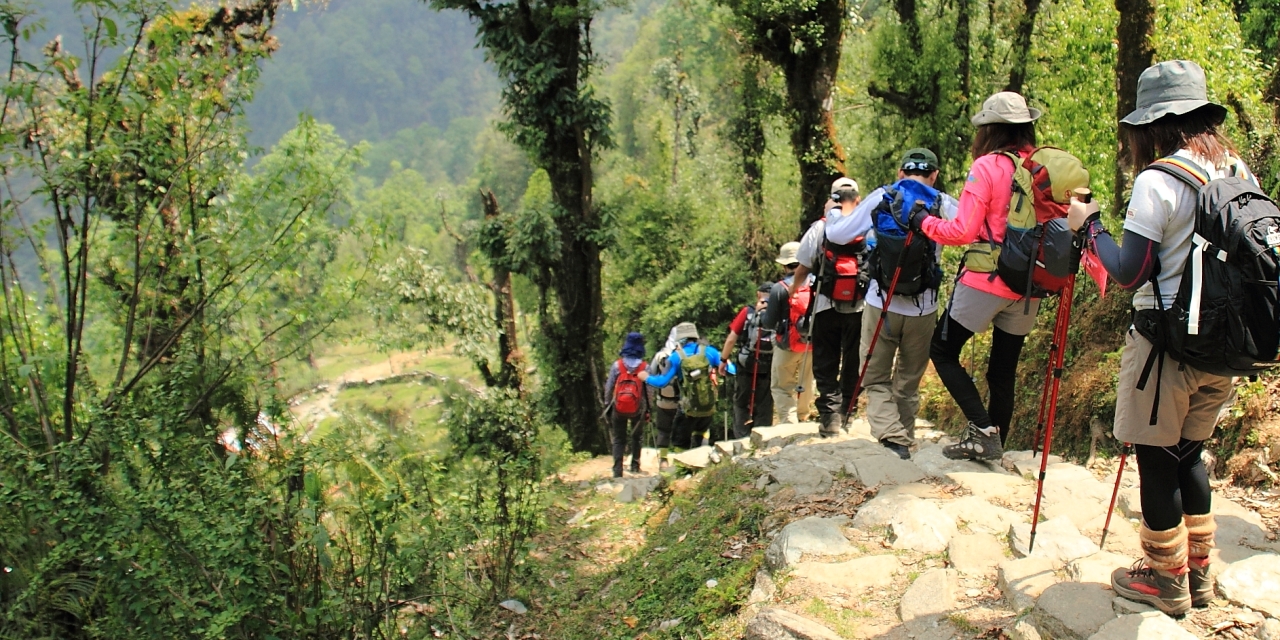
981,299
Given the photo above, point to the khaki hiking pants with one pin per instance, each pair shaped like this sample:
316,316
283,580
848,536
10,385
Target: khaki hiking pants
786,374
892,383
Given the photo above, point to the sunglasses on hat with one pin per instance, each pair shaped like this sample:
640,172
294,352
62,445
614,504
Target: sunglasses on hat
917,165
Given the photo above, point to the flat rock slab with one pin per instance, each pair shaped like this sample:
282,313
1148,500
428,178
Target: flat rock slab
695,458
810,455
880,510
1254,583
782,434
1239,526
805,478
1270,630
1007,488
1073,610
1126,607
880,470
812,536
853,576
929,598
1056,539
780,624
1023,580
637,488
1097,567
733,447
1085,513
976,554
1025,463
1129,502
1152,625
919,525
982,516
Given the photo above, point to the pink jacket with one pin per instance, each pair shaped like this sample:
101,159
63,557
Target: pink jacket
983,213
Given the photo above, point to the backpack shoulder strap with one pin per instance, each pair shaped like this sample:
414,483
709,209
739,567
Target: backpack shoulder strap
1182,169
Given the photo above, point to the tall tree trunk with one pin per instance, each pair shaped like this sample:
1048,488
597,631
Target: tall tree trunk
962,38
747,134
1022,44
1133,54
810,77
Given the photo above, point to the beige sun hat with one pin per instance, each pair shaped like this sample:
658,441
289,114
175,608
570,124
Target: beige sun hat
844,183
1005,107
686,331
787,254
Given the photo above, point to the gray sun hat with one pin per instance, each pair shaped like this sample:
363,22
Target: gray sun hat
1005,107
686,331
787,254
1173,87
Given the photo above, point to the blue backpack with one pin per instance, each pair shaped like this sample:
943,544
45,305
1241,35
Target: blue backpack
919,261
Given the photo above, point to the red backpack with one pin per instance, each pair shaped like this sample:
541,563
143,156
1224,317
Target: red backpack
797,319
627,392
839,280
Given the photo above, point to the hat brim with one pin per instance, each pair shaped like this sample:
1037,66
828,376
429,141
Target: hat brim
1147,115
784,262
991,117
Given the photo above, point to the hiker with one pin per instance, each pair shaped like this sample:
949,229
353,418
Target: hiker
752,402
980,299
891,376
693,365
836,317
628,406
1168,419
664,402
791,373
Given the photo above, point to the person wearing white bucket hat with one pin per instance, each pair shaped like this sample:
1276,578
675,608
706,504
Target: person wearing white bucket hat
1174,129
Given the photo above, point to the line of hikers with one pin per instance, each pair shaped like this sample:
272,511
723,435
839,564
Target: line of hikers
857,309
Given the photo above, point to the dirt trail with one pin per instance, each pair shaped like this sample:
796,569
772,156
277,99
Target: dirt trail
315,405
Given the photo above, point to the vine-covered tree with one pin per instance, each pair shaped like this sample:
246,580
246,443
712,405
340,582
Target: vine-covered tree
542,52
802,38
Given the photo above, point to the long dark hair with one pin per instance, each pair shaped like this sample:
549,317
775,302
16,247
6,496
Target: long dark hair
1196,132
998,135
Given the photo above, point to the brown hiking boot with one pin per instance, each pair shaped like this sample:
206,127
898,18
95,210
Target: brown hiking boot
1200,582
829,425
976,445
1163,590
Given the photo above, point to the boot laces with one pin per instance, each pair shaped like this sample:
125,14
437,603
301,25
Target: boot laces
1141,570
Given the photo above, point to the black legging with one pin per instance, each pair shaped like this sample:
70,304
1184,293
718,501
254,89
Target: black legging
1173,482
1002,369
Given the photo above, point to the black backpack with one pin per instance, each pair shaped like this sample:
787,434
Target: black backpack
919,261
1225,319
752,332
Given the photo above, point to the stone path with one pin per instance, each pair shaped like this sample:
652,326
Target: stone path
941,550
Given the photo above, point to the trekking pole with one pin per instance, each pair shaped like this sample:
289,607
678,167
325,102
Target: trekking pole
755,369
1124,452
1048,381
1056,357
875,337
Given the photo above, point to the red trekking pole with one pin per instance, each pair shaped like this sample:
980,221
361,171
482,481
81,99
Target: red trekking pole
1048,381
1056,359
1114,492
875,337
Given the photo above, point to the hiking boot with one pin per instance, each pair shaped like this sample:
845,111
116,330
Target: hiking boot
617,469
903,451
1163,590
830,425
976,445
635,465
1200,582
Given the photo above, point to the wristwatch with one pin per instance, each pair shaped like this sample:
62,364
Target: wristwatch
1095,228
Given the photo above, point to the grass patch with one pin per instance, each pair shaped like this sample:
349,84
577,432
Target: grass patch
962,624
843,621
666,577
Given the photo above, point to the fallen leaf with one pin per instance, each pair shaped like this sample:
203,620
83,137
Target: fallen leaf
682,537
631,621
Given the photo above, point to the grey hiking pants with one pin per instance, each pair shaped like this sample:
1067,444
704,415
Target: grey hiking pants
892,383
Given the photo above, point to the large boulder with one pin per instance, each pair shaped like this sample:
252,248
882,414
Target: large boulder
1152,625
780,624
1073,610
1056,539
1253,582
812,536
806,479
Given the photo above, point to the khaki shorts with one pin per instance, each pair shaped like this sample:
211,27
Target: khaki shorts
1190,399
977,310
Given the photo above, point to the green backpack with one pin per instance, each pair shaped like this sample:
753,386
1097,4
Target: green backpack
697,394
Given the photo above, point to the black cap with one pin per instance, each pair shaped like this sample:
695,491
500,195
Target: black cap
919,159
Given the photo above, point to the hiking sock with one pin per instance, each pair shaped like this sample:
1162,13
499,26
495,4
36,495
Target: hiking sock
1165,550
1200,530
